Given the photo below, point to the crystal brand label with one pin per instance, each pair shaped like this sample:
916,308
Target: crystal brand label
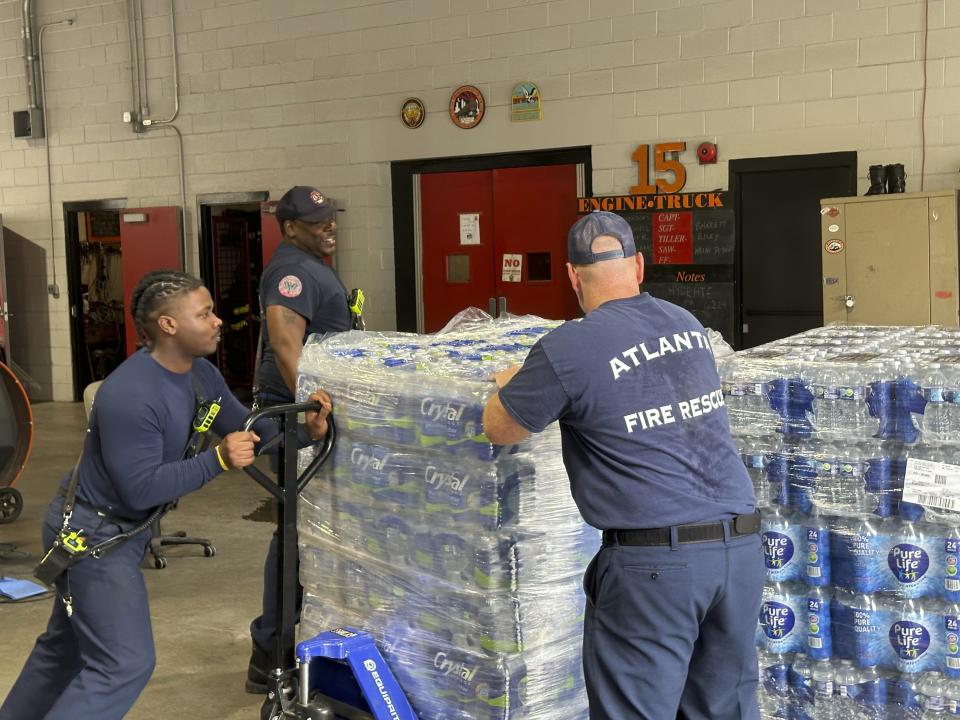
438,411
448,667
777,619
909,640
440,480
908,563
778,550
365,461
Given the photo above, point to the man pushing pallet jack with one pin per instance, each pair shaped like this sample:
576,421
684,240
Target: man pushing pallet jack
339,673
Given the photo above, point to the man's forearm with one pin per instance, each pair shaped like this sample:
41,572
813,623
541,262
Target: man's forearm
287,361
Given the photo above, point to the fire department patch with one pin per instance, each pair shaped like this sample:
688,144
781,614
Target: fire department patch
290,286
317,197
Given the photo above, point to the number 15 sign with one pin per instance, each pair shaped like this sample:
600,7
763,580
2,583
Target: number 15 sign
662,163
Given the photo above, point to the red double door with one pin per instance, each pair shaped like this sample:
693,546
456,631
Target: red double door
491,237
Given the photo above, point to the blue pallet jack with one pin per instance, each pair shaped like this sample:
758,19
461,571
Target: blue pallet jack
339,673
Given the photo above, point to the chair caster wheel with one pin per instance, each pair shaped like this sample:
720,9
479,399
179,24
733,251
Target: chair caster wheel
160,563
209,551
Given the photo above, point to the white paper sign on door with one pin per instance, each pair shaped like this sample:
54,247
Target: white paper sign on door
512,268
469,228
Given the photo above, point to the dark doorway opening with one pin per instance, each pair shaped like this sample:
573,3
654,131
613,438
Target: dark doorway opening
777,204
94,289
406,204
231,261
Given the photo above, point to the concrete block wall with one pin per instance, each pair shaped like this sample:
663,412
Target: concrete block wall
279,92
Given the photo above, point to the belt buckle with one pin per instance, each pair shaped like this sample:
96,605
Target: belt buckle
746,524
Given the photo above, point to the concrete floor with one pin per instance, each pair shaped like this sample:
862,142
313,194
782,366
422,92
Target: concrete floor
201,607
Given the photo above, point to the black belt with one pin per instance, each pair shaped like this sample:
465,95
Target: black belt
109,517
706,532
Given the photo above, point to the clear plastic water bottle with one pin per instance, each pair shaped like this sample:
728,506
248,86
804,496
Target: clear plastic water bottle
819,630
754,452
911,558
951,624
825,383
847,682
783,540
854,411
871,697
824,697
878,478
759,417
774,692
951,562
801,687
952,372
951,697
828,496
851,471
933,688
935,423
817,529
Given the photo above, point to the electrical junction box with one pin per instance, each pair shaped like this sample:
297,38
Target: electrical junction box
28,123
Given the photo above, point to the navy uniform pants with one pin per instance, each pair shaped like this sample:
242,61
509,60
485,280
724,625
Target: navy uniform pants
93,665
670,632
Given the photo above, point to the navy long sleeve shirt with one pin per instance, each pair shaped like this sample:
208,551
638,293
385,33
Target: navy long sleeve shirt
138,429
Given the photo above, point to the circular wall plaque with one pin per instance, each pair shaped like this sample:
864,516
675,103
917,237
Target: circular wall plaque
413,113
466,107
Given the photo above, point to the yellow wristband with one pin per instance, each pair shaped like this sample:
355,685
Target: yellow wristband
220,459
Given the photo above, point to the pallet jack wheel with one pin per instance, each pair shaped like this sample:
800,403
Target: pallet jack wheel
11,504
209,551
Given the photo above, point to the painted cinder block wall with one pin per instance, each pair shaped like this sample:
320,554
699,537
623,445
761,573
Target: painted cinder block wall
279,92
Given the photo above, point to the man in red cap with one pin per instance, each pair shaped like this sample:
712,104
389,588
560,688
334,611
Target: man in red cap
299,295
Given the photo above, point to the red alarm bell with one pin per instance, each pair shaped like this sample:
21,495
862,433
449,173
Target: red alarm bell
707,153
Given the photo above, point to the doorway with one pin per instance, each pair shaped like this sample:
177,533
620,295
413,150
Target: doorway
486,231
109,247
95,290
777,205
231,261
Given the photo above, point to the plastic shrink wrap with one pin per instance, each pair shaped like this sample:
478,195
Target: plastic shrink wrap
463,558
852,437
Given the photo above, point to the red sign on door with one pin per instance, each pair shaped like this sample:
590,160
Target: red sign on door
673,238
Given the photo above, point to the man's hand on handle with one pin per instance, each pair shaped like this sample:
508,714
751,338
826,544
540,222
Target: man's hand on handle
317,421
237,449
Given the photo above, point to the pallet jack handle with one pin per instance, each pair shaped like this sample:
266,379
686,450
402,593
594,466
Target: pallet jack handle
285,492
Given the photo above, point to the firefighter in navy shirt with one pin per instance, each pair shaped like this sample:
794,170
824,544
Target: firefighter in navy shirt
97,654
674,592
300,295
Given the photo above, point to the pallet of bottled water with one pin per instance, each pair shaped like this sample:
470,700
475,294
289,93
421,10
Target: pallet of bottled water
463,558
852,438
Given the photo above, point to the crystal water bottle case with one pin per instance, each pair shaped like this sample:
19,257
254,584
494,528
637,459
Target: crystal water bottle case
462,558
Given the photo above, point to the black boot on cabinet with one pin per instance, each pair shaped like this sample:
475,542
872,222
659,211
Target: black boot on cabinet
896,178
878,180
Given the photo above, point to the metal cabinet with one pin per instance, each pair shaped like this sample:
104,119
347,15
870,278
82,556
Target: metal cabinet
890,259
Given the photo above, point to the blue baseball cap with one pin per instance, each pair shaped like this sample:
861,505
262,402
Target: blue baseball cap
305,203
597,224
